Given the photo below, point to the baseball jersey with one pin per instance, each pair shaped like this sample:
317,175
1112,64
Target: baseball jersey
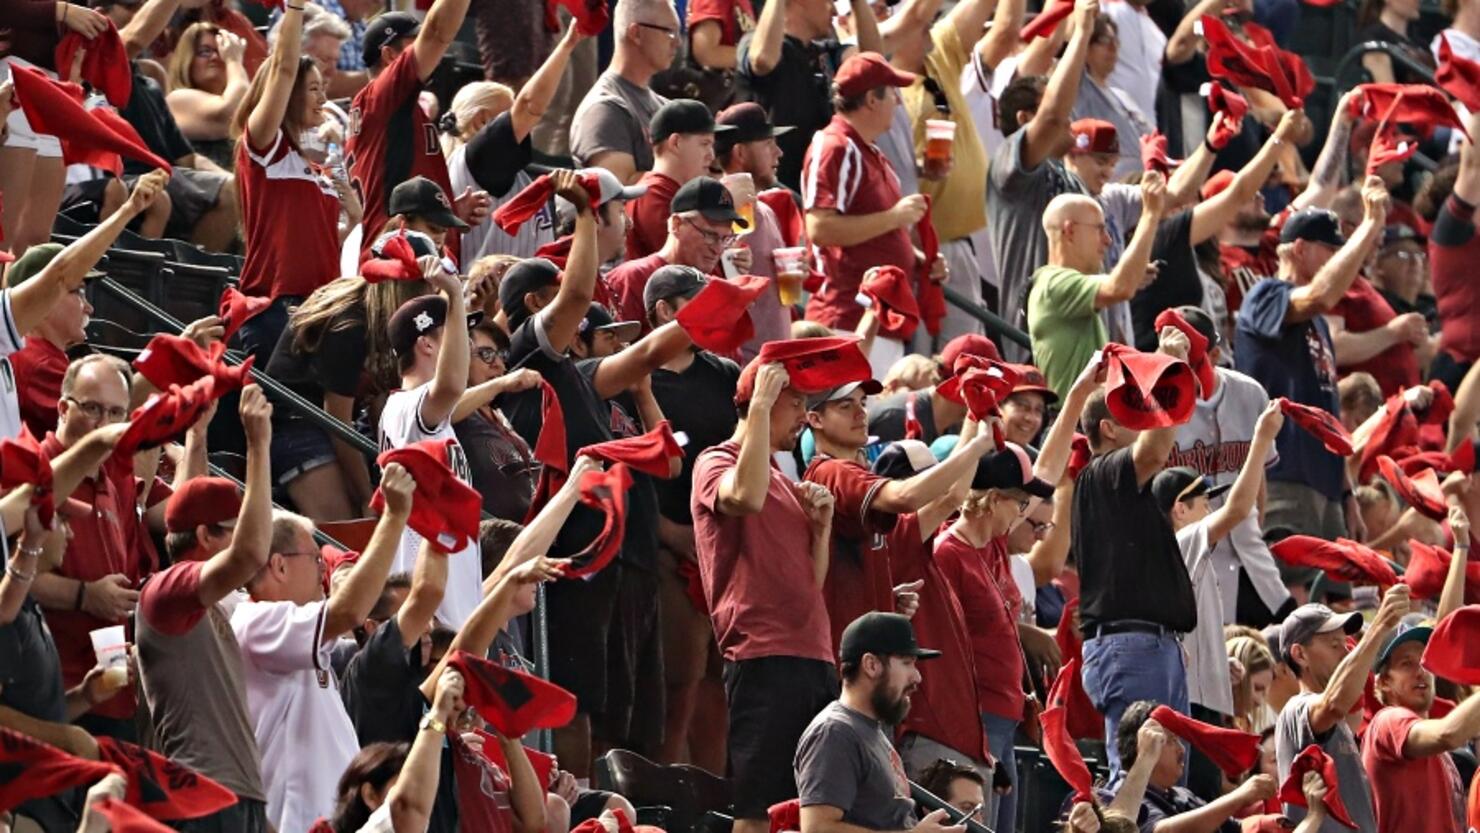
10,342
290,218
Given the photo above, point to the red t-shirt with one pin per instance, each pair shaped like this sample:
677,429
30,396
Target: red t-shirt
290,219
858,575
764,600
1414,795
170,600
847,174
1454,249
983,582
379,161
649,215
39,368
944,707
736,17
109,539
1364,310
627,282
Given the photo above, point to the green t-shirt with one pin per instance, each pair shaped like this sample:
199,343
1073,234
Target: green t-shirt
1065,326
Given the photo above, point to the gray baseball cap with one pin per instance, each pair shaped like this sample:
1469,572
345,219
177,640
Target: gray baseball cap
1309,620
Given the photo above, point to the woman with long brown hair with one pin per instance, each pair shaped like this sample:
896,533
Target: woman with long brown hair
208,80
290,206
1387,21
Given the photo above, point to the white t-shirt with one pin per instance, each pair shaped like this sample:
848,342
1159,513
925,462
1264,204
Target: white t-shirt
400,426
379,821
1208,683
10,341
305,736
1137,70
1027,585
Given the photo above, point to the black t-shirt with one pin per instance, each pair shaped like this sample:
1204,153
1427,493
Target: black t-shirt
148,114
495,158
1411,48
797,92
337,366
1425,306
1130,566
640,537
31,683
502,468
700,402
1177,284
887,417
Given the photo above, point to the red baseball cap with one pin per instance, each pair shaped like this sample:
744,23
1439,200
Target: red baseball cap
1031,380
1094,136
1216,184
209,501
868,71
970,344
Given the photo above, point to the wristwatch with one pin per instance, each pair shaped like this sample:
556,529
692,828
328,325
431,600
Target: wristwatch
433,724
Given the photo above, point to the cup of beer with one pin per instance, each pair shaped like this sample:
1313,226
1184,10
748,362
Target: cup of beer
940,134
111,649
791,271
742,189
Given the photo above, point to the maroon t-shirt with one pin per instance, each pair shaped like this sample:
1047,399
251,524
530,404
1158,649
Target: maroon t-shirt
736,17
627,283
1454,249
858,574
170,600
649,215
983,582
39,368
1364,309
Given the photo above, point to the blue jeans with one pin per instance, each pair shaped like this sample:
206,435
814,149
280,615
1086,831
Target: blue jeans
1001,813
1121,668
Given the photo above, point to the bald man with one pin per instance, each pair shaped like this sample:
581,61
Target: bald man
1068,292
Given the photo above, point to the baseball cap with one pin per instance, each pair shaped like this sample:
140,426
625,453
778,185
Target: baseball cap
868,71
1316,225
421,197
1405,632
417,317
611,187
209,501
749,122
1308,620
881,634
384,30
1216,184
421,245
1202,322
683,116
1400,233
817,400
970,344
903,458
672,281
1182,483
30,264
1094,136
1009,468
1031,380
709,197
597,318
529,275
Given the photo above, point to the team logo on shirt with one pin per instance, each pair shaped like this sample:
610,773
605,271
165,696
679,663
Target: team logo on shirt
1212,458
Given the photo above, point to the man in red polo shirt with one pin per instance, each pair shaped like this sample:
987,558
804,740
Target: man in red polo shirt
683,148
38,366
856,215
400,54
110,552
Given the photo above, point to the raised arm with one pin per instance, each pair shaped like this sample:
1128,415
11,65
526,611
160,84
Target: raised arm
32,301
620,372
1330,172
1335,278
911,495
146,26
998,44
1467,184
1211,216
1051,121
1213,814
1345,687
764,48
361,589
1452,597
910,19
415,791
1437,736
451,378
968,18
562,319
251,540
1150,739
1130,271
1152,448
428,585
437,33
866,27
1050,553
534,97
266,117
1246,487
742,489
1182,46
1053,457
539,534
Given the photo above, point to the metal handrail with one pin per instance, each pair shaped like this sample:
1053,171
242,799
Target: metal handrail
996,325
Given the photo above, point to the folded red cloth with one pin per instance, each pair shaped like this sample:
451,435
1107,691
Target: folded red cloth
22,463
1148,390
1197,344
789,217
236,309
893,296
1417,105
1343,558
1245,65
166,416
652,453
1395,432
1081,718
1313,759
511,701
1319,422
718,317
813,364
1458,76
1230,750
31,769
1428,566
125,818
1154,154
1453,651
932,298
397,261
1079,454
55,109
1226,101
1388,146
1042,25
444,510
162,788
173,360
606,492
105,65
1421,491
785,816
1462,460
1057,744
527,203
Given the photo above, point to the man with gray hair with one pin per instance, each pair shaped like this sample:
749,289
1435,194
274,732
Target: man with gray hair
610,128
324,37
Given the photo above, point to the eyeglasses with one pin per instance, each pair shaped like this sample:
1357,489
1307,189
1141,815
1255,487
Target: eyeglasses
487,355
317,556
710,237
207,52
671,33
96,411
1407,257
1040,528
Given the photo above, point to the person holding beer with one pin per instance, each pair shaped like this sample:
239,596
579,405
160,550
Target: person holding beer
683,134
856,215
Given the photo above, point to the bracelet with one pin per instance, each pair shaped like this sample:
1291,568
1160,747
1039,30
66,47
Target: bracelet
29,552
81,592
16,574
1209,145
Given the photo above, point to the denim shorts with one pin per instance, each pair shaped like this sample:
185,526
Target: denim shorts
298,447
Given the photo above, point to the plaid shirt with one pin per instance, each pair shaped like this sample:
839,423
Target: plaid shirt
350,59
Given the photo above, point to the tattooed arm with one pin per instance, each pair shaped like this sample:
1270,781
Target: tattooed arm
1330,172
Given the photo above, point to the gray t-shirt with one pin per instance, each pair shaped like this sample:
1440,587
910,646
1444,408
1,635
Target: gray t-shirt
1292,733
614,117
845,760
1016,199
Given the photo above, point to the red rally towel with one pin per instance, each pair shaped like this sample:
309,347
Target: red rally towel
1081,718
785,816
54,110
1418,105
105,65
1421,491
1260,67
1057,744
444,510
527,203
651,453
1458,76
1342,558
1319,422
161,787
813,364
1079,455
396,263
549,450
23,464
1230,750
1223,100
1453,651
718,317
236,309
932,299
1046,21
1428,566
166,416
1154,154
123,818
511,701
31,769
1197,350
1396,432
1461,460
173,360
542,763
606,492
591,16
1312,758
893,298
1148,390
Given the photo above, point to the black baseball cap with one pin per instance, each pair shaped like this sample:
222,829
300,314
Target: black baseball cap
682,116
385,30
1009,468
417,317
709,197
529,275
421,197
1397,233
1315,225
749,122
672,281
902,459
1182,483
883,635
598,318
1202,322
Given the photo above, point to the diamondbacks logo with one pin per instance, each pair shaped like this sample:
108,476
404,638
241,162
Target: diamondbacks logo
1212,458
